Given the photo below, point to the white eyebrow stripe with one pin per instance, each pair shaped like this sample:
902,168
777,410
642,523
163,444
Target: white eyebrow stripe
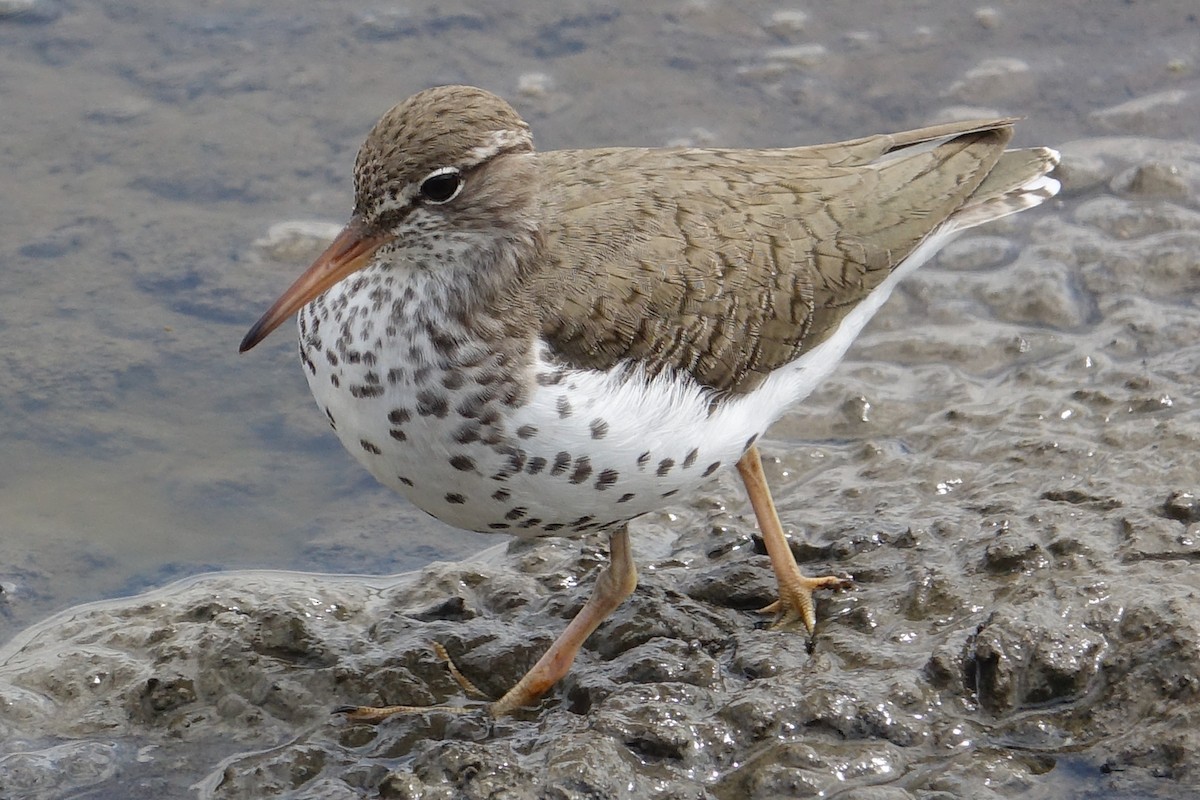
498,141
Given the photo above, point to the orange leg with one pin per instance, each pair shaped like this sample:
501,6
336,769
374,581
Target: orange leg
614,584
795,601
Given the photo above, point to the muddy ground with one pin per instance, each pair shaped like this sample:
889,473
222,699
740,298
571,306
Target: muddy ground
1006,462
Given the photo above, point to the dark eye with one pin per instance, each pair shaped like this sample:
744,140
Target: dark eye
442,185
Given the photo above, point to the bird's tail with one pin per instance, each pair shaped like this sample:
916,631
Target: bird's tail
1020,180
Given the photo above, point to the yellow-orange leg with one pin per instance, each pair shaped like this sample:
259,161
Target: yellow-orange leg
614,584
795,601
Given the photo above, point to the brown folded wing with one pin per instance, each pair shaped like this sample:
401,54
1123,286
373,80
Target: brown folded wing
780,244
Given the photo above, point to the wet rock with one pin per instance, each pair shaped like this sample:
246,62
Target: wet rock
734,583
534,84
1182,506
30,11
933,594
1155,537
800,55
1131,165
787,22
390,24
1080,169
1013,552
1043,294
995,81
580,768
795,769
1144,115
121,110
163,694
1021,663
988,17
59,770
295,241
1155,179
1125,221
977,252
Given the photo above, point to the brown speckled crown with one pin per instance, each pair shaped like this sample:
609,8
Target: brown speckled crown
443,126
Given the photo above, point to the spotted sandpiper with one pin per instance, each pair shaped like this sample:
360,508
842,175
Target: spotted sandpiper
553,343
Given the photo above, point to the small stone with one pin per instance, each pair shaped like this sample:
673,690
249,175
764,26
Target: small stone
856,409
1012,553
798,55
1042,293
787,22
166,694
977,253
995,80
296,240
1023,660
922,36
28,10
962,113
1152,536
1146,115
1124,220
534,84
697,137
858,40
1080,169
987,17
392,23
1155,179
120,110
1182,506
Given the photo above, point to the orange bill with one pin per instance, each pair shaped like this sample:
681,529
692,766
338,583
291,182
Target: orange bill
350,251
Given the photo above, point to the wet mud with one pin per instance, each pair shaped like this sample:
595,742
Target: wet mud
1006,462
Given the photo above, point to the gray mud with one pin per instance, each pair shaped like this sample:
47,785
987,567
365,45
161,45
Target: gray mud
1006,462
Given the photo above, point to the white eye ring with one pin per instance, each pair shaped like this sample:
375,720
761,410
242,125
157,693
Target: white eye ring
441,186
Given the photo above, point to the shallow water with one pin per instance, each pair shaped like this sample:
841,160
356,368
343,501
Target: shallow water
146,147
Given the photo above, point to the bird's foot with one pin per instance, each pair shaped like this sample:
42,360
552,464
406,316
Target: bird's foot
795,603
375,714
614,583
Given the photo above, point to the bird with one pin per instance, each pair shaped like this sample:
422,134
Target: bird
553,343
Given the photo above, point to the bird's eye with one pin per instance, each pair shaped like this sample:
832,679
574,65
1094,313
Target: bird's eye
442,185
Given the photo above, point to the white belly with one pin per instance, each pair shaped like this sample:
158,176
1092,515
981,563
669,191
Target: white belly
582,454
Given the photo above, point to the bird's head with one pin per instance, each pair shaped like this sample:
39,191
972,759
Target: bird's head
444,182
